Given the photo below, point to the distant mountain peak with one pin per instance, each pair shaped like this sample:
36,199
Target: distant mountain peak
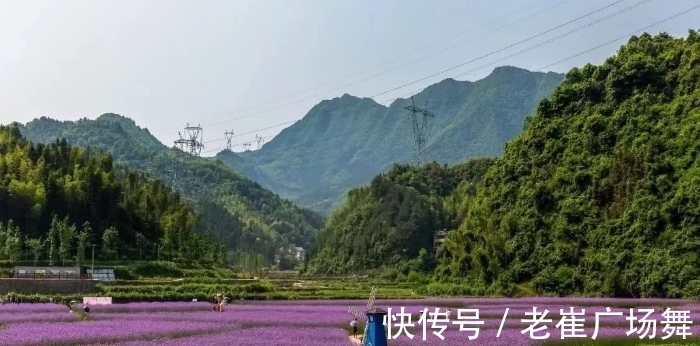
115,117
352,98
345,98
44,119
507,70
345,141
510,68
447,81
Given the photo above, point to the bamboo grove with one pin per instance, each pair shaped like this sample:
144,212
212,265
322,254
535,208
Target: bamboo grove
59,202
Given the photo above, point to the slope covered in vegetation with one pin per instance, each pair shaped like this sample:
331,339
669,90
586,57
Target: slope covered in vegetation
235,210
344,142
57,200
599,194
394,218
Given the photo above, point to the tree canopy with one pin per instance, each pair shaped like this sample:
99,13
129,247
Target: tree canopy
599,194
394,218
234,210
57,201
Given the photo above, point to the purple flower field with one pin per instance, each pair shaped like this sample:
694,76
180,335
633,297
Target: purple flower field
323,323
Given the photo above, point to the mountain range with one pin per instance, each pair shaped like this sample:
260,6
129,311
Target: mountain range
255,200
597,196
237,211
344,142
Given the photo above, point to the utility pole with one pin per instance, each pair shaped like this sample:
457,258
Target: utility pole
229,137
420,130
260,141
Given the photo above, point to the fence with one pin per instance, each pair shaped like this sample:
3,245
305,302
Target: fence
64,273
47,286
59,275
22,272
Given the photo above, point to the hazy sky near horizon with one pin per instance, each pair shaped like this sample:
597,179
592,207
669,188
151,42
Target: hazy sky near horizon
249,65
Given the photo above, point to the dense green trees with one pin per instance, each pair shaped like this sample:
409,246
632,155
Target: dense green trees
393,218
56,201
599,194
233,209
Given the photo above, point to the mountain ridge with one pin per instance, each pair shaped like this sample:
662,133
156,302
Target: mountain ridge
596,197
59,194
238,210
289,164
343,142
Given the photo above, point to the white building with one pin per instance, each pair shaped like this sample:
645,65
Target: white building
299,253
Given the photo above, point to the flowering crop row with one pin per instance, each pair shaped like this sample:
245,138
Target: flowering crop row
307,323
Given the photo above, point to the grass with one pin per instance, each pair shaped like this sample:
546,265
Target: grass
301,288
187,289
165,281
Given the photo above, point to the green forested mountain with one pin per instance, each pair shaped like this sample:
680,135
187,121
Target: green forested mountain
598,196
395,217
236,210
342,143
57,200
600,193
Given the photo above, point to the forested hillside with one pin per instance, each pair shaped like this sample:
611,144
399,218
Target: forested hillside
342,143
599,194
237,211
57,200
394,218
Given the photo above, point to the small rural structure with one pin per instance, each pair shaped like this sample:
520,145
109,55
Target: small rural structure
50,280
28,272
439,238
101,274
299,253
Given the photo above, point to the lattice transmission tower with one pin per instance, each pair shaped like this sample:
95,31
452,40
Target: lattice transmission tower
260,141
192,141
229,138
421,120
246,146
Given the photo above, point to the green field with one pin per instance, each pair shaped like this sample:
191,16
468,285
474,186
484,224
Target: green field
153,281
187,289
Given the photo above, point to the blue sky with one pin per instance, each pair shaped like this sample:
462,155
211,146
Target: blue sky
249,65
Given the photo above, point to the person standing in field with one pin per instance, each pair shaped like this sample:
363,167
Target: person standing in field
223,302
217,302
353,324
